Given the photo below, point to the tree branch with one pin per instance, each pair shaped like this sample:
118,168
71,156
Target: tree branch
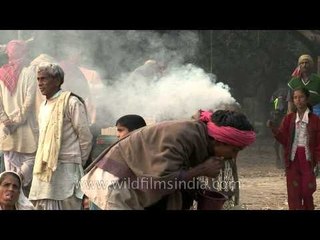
313,36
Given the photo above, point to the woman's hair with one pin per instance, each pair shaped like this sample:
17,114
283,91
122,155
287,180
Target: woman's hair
131,122
232,119
5,174
306,92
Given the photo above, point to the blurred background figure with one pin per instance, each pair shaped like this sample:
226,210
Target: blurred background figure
151,70
278,102
75,81
19,127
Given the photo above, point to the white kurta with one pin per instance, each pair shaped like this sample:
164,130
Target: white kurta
20,108
75,149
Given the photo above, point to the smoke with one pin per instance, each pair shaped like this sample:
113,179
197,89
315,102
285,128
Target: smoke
126,50
130,87
178,94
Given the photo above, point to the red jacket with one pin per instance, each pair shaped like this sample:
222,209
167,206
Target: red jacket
285,135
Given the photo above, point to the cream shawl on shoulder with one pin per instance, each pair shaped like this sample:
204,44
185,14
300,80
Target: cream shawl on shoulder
50,141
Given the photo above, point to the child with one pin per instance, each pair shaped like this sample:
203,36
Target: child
128,123
299,133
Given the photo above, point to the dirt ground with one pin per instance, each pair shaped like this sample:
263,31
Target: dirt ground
262,184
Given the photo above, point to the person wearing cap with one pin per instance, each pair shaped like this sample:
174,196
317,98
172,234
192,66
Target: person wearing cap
65,142
11,194
303,76
150,167
18,120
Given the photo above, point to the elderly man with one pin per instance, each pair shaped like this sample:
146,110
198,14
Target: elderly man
64,146
19,129
303,77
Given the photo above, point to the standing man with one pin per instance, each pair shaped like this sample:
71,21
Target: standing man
64,146
303,77
19,128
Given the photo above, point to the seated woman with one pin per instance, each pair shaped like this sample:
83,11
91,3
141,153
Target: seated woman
11,194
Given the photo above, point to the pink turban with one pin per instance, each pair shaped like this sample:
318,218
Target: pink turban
226,134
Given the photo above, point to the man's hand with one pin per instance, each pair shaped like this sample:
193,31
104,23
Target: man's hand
10,126
7,123
212,166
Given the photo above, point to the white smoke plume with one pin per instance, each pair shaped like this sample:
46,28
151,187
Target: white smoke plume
178,93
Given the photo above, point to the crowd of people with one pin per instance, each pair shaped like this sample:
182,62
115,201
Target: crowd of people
47,137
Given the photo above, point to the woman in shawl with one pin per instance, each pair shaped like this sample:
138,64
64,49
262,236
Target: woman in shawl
11,194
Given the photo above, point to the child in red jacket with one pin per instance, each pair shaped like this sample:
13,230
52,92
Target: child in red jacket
299,133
